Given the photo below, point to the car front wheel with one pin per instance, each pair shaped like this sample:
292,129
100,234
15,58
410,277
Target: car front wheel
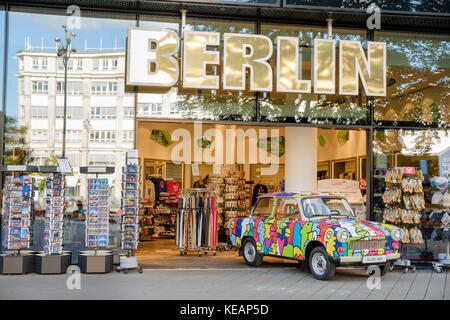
251,256
319,264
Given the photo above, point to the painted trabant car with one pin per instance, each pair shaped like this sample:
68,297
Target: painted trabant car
320,228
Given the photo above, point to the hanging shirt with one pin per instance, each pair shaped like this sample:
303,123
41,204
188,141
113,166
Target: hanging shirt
173,187
149,191
258,190
160,186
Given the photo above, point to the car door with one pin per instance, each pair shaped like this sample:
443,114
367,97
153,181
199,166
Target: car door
261,219
286,224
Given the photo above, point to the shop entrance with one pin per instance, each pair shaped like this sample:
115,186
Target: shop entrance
234,164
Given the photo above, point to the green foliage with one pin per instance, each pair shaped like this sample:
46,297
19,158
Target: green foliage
17,151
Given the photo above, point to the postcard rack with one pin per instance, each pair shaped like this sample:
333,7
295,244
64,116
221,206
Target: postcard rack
130,212
17,215
97,223
196,222
52,259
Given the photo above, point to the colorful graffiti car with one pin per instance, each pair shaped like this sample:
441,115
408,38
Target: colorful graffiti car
316,227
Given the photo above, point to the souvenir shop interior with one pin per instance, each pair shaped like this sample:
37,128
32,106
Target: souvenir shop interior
336,162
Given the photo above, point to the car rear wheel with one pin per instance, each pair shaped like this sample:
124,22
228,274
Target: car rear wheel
319,264
251,256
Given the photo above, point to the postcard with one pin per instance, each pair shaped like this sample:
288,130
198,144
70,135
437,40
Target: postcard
26,180
130,210
58,180
17,180
103,243
14,245
14,237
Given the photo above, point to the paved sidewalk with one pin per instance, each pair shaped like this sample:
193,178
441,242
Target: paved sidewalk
271,281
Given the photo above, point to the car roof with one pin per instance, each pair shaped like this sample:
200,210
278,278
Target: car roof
294,194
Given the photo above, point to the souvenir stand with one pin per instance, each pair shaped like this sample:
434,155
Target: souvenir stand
98,260
130,212
404,201
53,259
17,215
196,222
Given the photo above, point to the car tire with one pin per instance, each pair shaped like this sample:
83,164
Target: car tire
251,255
320,266
384,268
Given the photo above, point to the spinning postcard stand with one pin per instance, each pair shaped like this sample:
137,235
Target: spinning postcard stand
16,221
130,215
53,259
97,223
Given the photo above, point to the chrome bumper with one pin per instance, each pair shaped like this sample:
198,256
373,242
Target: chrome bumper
358,259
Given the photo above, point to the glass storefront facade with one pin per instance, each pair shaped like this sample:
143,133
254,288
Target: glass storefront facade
409,125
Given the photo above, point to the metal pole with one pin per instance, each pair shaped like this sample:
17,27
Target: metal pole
65,107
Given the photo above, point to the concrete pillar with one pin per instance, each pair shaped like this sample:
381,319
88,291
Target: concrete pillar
301,159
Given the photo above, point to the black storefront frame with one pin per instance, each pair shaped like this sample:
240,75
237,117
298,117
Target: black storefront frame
370,127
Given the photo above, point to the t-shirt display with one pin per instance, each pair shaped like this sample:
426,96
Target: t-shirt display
160,186
97,220
16,213
53,222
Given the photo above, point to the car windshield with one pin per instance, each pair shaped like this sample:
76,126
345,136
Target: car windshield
326,206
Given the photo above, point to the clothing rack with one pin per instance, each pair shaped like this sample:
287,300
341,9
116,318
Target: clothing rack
196,222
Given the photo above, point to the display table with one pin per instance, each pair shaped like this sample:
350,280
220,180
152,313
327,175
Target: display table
52,264
16,263
95,261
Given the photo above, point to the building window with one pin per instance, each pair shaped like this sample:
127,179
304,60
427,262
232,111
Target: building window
103,112
114,63
74,113
174,109
127,136
128,112
39,86
150,109
101,160
71,136
39,112
39,135
105,64
73,87
35,63
102,136
44,63
79,64
59,64
96,64
70,65
104,88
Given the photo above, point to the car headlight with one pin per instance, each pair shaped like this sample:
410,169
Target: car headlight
396,234
342,235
